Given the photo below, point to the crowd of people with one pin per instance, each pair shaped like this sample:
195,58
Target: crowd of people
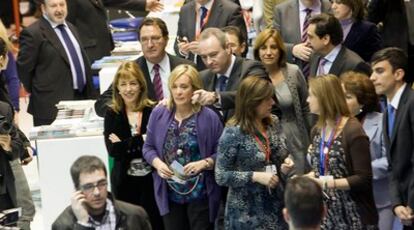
311,129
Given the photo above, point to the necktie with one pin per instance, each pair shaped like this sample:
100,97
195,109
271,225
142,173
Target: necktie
74,56
157,82
222,83
202,16
322,62
305,65
391,116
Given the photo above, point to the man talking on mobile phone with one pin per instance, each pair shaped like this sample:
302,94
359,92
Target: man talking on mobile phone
92,206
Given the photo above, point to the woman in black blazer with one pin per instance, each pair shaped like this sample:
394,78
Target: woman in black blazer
360,36
125,126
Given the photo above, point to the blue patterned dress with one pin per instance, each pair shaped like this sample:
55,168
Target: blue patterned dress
250,205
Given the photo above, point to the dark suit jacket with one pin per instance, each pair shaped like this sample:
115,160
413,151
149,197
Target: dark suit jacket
90,18
286,21
364,39
400,150
394,15
345,61
223,13
44,69
104,100
241,69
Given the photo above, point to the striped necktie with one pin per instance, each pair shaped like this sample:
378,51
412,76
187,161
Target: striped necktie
305,65
157,82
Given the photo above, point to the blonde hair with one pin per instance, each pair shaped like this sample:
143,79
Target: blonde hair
130,70
5,37
251,92
195,79
331,99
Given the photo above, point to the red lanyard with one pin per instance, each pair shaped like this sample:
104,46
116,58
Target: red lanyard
265,147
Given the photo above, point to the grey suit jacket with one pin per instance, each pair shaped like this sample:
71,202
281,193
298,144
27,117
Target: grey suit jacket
241,69
105,99
286,21
345,61
372,126
90,18
400,151
44,69
222,13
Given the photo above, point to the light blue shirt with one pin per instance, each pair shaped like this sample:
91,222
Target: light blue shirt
330,58
316,9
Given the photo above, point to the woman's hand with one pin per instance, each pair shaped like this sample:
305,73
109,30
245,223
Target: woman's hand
266,178
194,168
287,165
114,138
162,169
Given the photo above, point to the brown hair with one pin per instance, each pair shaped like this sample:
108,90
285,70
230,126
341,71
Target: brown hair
357,7
196,83
262,38
130,70
330,96
363,89
152,21
251,92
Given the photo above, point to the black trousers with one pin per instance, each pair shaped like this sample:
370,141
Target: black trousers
191,216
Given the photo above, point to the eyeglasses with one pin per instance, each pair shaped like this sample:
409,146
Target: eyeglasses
153,39
90,187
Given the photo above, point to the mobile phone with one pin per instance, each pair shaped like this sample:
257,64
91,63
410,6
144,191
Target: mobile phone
10,216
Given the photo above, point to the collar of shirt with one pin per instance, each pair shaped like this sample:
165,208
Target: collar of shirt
346,26
208,6
54,25
229,70
397,97
164,65
316,7
331,56
109,219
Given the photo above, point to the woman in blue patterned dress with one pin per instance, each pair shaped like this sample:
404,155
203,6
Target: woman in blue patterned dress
250,156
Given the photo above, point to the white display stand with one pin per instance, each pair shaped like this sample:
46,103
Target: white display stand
55,156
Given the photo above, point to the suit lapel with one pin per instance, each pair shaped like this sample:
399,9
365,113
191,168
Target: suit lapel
294,10
353,36
142,62
50,35
211,80
338,62
215,14
191,21
314,61
235,74
399,112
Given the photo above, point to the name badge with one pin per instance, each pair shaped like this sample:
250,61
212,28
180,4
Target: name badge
271,168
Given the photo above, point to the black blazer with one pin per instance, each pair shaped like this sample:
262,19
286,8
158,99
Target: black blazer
364,39
223,13
90,18
104,100
345,61
44,69
400,150
130,146
241,69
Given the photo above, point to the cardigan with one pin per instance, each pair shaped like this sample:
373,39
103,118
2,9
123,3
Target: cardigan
209,129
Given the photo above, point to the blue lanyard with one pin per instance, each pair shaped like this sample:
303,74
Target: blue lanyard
324,150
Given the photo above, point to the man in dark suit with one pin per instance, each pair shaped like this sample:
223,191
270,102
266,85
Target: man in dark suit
90,18
290,19
396,20
325,37
154,38
198,15
52,64
389,77
224,72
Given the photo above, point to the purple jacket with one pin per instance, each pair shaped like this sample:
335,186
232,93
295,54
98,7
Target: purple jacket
209,128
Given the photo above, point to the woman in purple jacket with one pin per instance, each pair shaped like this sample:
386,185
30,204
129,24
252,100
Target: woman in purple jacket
181,145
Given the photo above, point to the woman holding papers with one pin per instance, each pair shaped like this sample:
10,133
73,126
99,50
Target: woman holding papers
181,145
125,124
340,158
249,161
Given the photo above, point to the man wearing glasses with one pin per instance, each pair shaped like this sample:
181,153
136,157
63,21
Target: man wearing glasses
92,206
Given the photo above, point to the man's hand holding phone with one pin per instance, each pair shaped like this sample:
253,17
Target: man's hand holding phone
78,207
